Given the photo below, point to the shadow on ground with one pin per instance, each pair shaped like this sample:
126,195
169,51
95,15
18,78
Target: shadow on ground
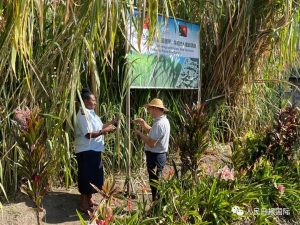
60,207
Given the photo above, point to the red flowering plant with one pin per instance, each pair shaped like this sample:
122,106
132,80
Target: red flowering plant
35,163
192,140
103,214
282,140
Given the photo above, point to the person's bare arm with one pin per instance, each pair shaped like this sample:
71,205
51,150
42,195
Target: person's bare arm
103,131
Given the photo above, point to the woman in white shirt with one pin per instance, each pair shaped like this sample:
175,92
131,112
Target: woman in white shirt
90,133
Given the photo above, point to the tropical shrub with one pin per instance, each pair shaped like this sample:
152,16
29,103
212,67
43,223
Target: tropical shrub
247,150
280,143
226,197
283,140
116,209
277,189
192,140
36,162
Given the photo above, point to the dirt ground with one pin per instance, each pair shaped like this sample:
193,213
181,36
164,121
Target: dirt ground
60,206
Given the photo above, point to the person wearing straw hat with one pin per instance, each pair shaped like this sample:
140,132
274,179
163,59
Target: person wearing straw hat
156,141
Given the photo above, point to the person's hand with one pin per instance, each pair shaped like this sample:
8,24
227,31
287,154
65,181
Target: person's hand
108,129
115,121
139,121
138,132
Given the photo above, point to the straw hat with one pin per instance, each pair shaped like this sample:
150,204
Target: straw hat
156,102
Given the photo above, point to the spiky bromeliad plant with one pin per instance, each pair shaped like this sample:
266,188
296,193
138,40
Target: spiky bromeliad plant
36,162
192,141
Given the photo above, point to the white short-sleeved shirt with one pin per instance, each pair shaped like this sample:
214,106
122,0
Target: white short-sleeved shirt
160,131
88,122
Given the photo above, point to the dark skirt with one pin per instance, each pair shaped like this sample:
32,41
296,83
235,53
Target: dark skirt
90,171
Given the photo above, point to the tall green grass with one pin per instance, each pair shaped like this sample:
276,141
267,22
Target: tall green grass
49,50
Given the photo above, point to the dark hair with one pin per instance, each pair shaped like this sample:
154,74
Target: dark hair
86,94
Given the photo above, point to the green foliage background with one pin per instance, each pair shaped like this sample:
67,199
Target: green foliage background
49,50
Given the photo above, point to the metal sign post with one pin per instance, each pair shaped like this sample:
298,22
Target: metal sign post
128,183
200,72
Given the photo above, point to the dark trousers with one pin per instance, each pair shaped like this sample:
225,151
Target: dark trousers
90,171
155,165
